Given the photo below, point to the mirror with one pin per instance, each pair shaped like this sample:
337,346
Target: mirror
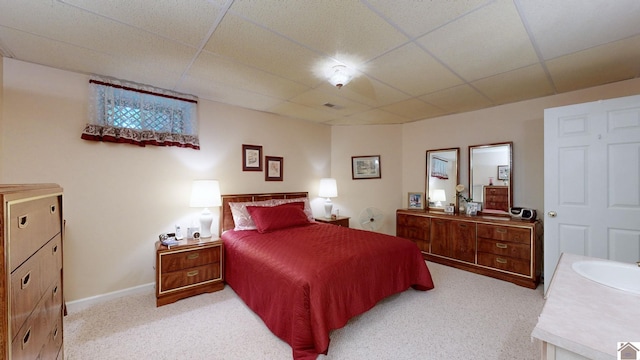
442,177
490,176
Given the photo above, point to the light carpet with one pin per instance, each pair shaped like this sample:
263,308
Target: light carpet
466,316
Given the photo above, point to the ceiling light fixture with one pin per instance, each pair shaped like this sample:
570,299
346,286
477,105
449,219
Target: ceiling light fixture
340,76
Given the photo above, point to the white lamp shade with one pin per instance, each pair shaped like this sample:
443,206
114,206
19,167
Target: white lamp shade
439,195
205,193
328,188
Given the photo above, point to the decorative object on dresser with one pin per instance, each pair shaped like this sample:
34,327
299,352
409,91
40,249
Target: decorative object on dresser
415,200
328,189
205,194
189,268
506,249
31,294
337,220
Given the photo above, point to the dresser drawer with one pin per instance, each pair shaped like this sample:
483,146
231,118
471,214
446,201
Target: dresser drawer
505,263
505,248
189,258
29,341
504,233
413,221
32,223
193,276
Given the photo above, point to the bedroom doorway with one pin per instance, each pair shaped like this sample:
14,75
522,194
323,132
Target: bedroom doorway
592,181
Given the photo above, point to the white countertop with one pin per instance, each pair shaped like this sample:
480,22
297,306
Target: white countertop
585,317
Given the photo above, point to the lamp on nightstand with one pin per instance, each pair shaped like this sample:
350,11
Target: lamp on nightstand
328,189
205,194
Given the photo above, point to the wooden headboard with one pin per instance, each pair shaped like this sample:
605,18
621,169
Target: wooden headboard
226,219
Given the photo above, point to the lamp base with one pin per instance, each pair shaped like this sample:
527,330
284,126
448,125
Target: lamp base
206,219
328,205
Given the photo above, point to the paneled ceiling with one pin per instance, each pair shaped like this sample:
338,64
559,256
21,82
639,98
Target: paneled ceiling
413,59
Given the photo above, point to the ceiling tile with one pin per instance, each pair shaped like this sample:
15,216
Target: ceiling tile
317,98
335,28
457,99
298,111
411,69
367,91
236,39
167,18
413,109
419,17
516,85
603,64
564,27
486,42
375,116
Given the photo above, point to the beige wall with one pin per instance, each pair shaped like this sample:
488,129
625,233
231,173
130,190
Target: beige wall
119,197
1,109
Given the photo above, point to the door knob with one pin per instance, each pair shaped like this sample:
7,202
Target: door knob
552,214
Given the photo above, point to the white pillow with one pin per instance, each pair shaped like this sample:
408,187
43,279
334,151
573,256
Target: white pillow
241,217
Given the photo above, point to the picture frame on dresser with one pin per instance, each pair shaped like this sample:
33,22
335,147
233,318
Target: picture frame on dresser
416,200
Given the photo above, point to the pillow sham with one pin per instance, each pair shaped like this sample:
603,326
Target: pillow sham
241,217
307,206
270,218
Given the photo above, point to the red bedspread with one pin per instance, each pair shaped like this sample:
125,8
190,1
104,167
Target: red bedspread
306,281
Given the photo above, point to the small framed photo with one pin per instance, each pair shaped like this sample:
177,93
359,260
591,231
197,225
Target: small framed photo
365,167
472,208
416,200
449,209
251,157
274,168
503,172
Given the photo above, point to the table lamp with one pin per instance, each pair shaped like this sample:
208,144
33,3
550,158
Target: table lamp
328,189
205,194
439,196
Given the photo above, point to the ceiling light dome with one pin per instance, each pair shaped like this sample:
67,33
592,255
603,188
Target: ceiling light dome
340,76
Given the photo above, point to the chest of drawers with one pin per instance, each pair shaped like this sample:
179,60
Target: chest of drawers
496,198
193,267
31,282
507,249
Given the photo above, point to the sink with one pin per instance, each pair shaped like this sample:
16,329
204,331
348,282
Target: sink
621,276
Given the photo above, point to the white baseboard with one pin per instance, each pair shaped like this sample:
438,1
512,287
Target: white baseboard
81,304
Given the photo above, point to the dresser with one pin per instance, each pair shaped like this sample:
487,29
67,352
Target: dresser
31,283
506,249
496,197
190,268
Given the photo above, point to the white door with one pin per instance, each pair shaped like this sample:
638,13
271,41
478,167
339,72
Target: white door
592,181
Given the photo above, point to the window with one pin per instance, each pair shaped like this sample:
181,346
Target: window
138,114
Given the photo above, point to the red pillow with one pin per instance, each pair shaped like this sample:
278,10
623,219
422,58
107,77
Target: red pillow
270,218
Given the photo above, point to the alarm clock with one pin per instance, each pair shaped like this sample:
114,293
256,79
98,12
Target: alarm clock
522,213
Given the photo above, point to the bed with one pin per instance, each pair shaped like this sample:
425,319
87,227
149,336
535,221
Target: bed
305,278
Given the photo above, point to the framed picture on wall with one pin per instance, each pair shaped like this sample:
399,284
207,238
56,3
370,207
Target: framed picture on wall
416,200
503,172
274,168
251,157
365,167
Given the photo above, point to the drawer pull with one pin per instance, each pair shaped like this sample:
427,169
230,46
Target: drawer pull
23,221
52,209
192,273
25,281
501,260
55,291
55,249
501,230
193,256
26,338
501,245
55,333
462,225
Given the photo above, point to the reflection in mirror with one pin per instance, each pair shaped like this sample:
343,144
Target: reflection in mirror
442,177
490,176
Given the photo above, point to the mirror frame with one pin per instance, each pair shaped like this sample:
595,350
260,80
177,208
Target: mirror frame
429,153
510,175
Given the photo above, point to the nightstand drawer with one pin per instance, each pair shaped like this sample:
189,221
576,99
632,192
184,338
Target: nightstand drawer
188,258
192,276
505,263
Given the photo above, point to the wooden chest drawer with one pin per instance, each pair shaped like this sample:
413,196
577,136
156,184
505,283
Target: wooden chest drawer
189,258
504,233
413,221
32,223
506,263
29,341
505,248
182,278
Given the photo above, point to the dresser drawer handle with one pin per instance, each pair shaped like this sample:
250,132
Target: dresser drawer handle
501,245
55,249
192,273
501,230
55,333
193,256
52,209
501,260
23,221
26,338
55,291
25,281
462,225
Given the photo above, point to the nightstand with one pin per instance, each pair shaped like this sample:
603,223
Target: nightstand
190,268
340,221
